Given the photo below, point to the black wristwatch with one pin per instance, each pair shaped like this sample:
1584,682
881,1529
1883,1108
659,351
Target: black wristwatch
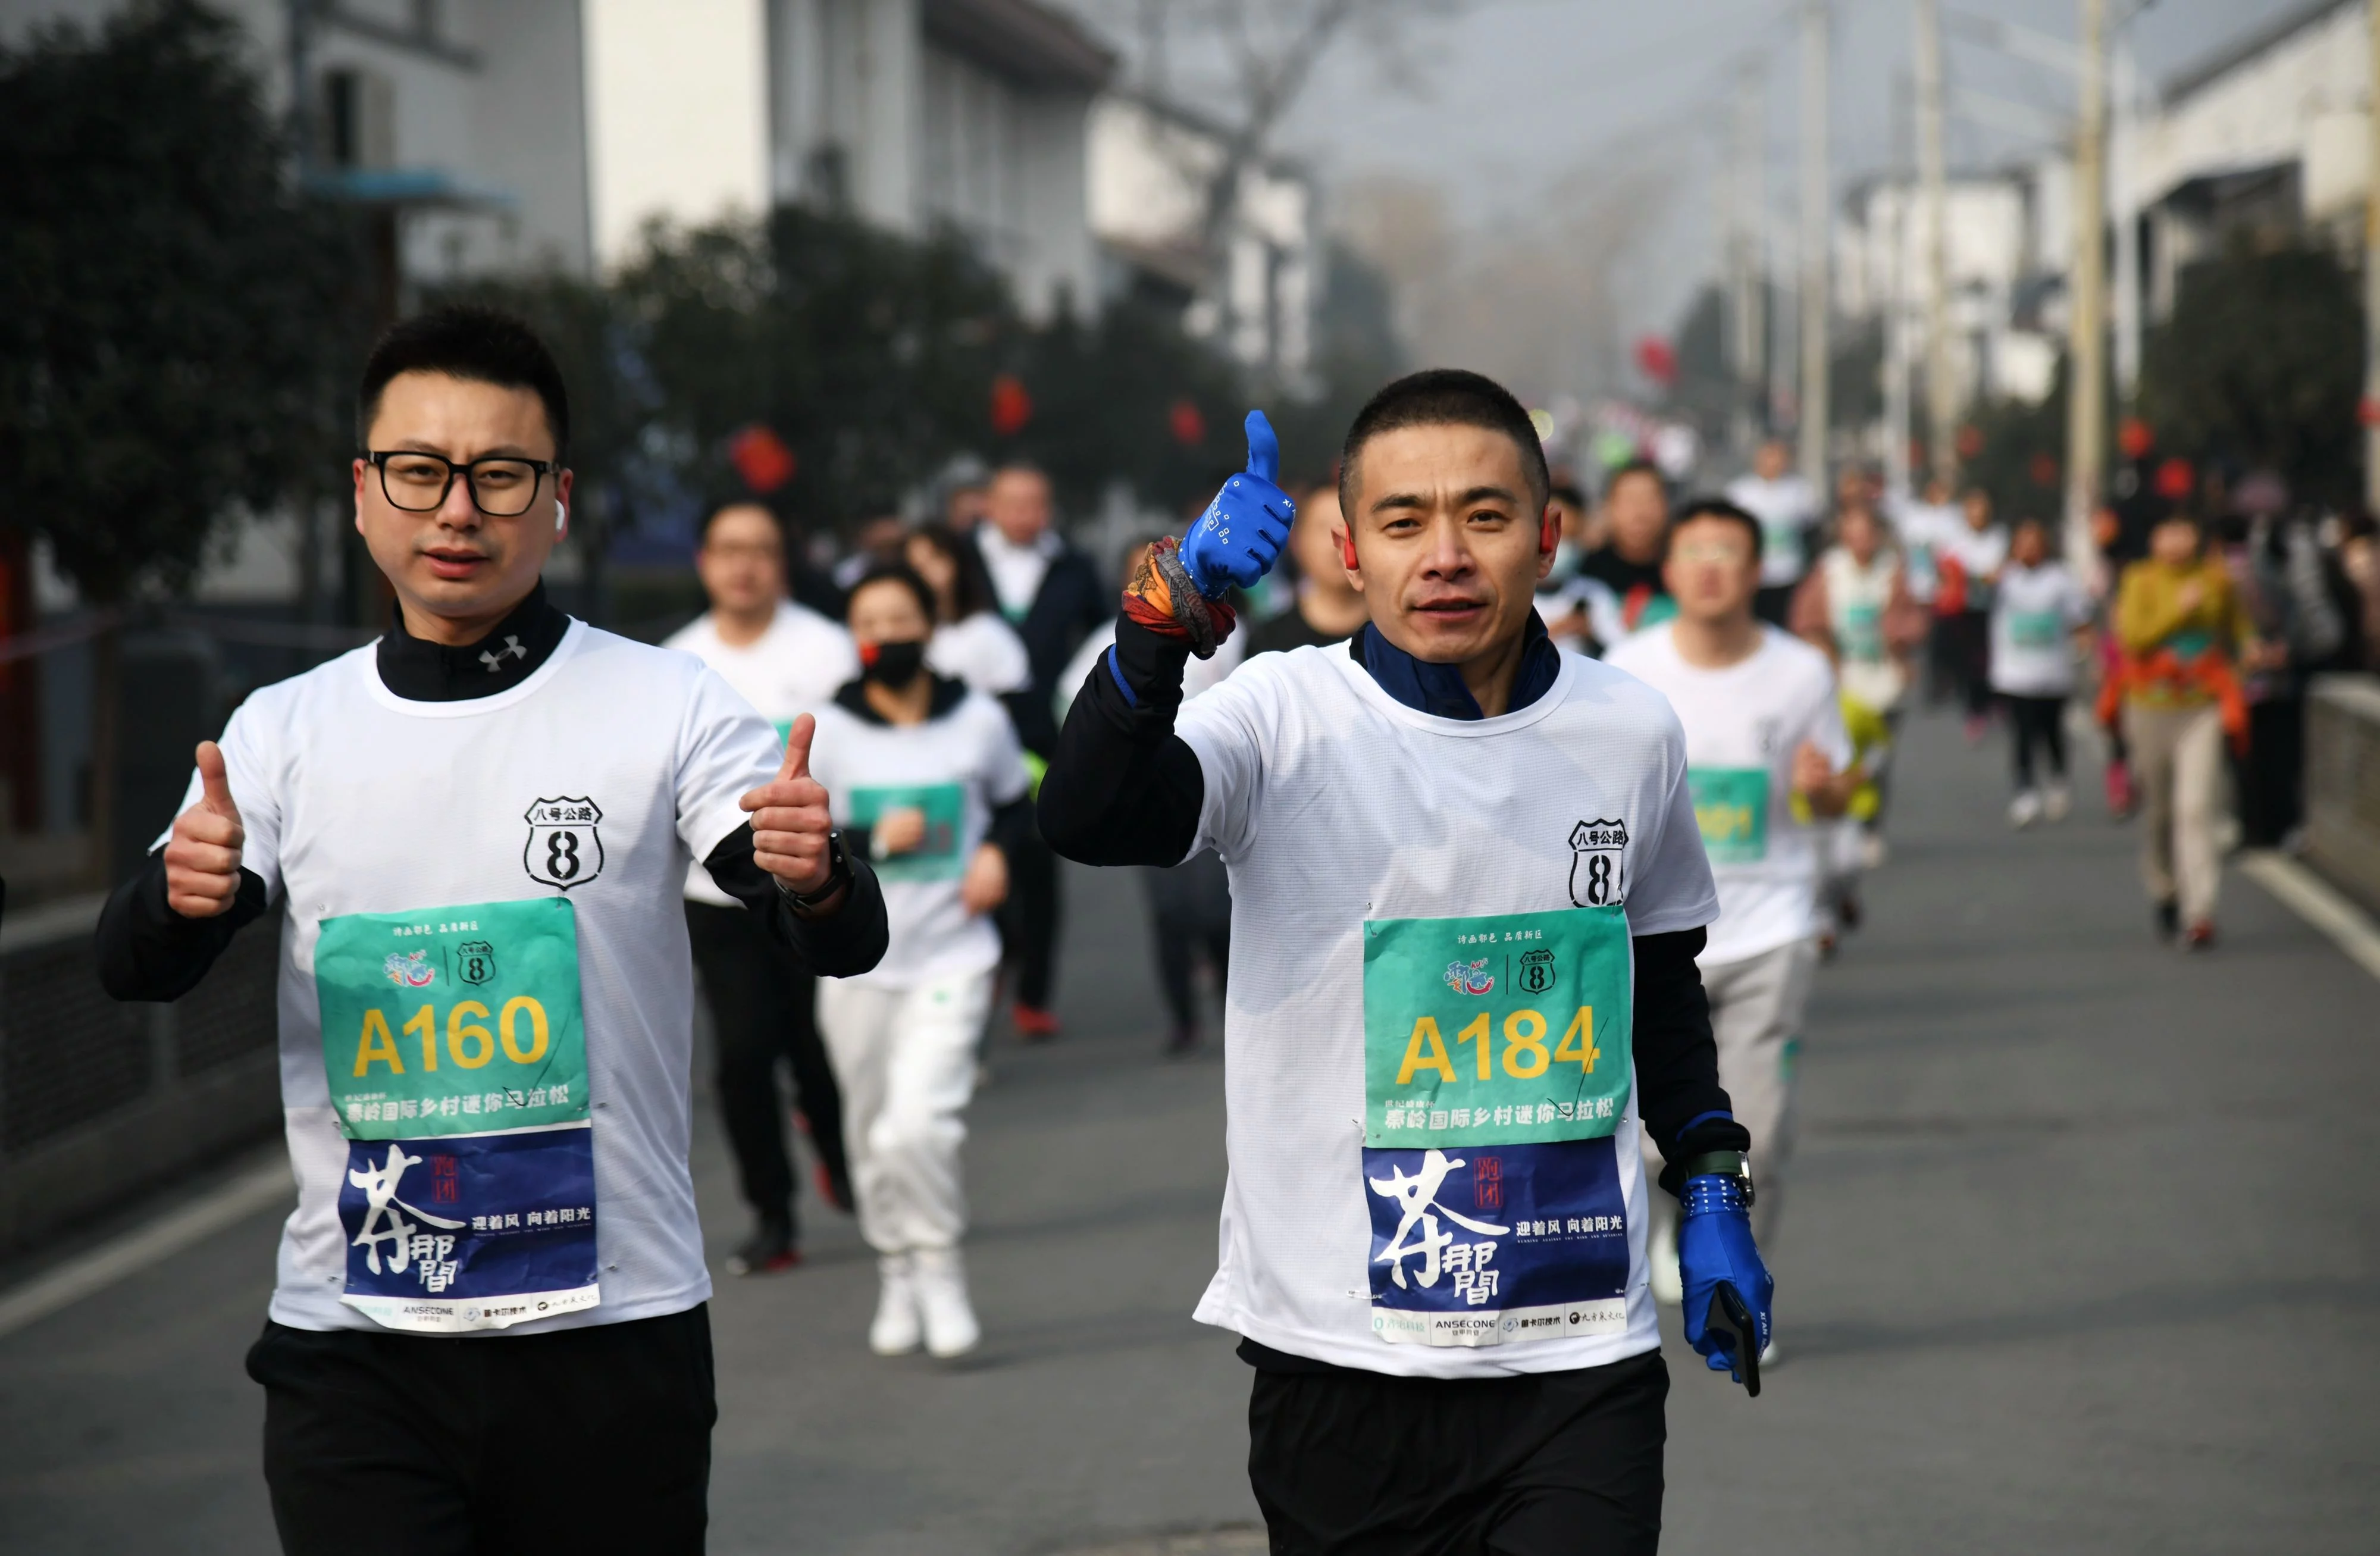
838,876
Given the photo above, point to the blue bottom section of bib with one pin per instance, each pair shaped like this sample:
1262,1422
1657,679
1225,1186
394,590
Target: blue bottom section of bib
465,1217
1491,1228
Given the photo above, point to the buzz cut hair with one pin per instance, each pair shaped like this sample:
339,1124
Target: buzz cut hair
1445,397
1720,509
476,344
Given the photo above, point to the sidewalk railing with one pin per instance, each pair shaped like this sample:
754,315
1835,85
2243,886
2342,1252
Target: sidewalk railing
2343,783
100,1102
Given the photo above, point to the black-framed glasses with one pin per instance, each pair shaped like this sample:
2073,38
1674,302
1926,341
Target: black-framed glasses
501,487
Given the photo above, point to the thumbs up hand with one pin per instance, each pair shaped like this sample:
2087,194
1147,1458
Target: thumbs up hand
1239,537
202,855
789,817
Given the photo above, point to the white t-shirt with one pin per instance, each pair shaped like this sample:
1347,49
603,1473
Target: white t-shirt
984,652
1743,724
1922,528
1017,571
791,669
1333,804
1858,600
1787,508
1979,553
958,768
2034,617
590,783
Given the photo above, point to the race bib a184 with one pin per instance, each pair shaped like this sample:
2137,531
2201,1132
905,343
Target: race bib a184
1505,1027
452,1020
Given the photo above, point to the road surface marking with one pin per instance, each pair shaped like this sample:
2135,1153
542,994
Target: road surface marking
135,1250
2318,902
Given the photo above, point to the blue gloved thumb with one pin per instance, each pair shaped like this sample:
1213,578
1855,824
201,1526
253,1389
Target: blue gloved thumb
1264,449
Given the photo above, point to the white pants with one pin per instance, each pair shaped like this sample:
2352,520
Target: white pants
1756,1006
905,1059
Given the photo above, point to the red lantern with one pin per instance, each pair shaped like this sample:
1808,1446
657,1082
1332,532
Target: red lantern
762,458
1188,426
1011,407
2176,480
1658,362
2044,470
2134,438
1970,442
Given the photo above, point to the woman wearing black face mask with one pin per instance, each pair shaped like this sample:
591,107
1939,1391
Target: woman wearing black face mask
930,781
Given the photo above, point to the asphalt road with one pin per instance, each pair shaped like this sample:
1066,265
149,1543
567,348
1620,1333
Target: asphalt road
2079,1255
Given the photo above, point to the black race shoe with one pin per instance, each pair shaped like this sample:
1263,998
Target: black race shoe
769,1249
2168,920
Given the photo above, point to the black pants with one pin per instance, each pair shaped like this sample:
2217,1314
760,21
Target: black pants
585,1441
2040,727
1970,647
1189,914
2272,777
1347,1463
763,1006
1028,921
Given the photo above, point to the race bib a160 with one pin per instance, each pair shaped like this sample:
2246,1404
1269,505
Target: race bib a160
452,1020
1505,1027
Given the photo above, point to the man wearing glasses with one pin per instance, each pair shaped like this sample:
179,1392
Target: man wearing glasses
489,1329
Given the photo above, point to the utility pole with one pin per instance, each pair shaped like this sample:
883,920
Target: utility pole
1815,213
1941,391
2086,453
2123,198
1749,223
2371,273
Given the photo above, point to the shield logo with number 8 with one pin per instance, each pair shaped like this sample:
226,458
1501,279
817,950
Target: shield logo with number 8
565,849
1599,850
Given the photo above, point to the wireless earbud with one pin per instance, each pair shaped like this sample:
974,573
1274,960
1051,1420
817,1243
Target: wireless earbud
560,517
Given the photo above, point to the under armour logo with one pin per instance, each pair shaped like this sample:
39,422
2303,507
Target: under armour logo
495,660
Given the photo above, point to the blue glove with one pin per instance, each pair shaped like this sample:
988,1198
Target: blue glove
1239,537
1715,1244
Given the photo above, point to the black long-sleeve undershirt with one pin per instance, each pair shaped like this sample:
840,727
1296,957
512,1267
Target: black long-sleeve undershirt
149,951
1123,789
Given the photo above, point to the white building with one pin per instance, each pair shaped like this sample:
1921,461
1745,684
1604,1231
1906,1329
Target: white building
1255,288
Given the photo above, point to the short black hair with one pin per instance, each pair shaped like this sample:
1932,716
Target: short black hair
1637,466
473,342
1445,397
1714,507
711,516
893,572
1567,492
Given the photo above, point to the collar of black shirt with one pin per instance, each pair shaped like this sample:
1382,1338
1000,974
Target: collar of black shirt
509,654
1438,689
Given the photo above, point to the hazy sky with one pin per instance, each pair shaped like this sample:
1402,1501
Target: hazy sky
1513,94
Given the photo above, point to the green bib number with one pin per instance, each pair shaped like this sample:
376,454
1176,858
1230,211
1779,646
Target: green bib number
1731,810
1506,1030
937,856
2036,630
1858,629
453,1020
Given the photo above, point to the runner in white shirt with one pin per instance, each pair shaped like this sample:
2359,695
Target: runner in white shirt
930,781
785,659
1922,526
475,831
1467,892
1971,558
1767,758
2037,611
1787,508
972,641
